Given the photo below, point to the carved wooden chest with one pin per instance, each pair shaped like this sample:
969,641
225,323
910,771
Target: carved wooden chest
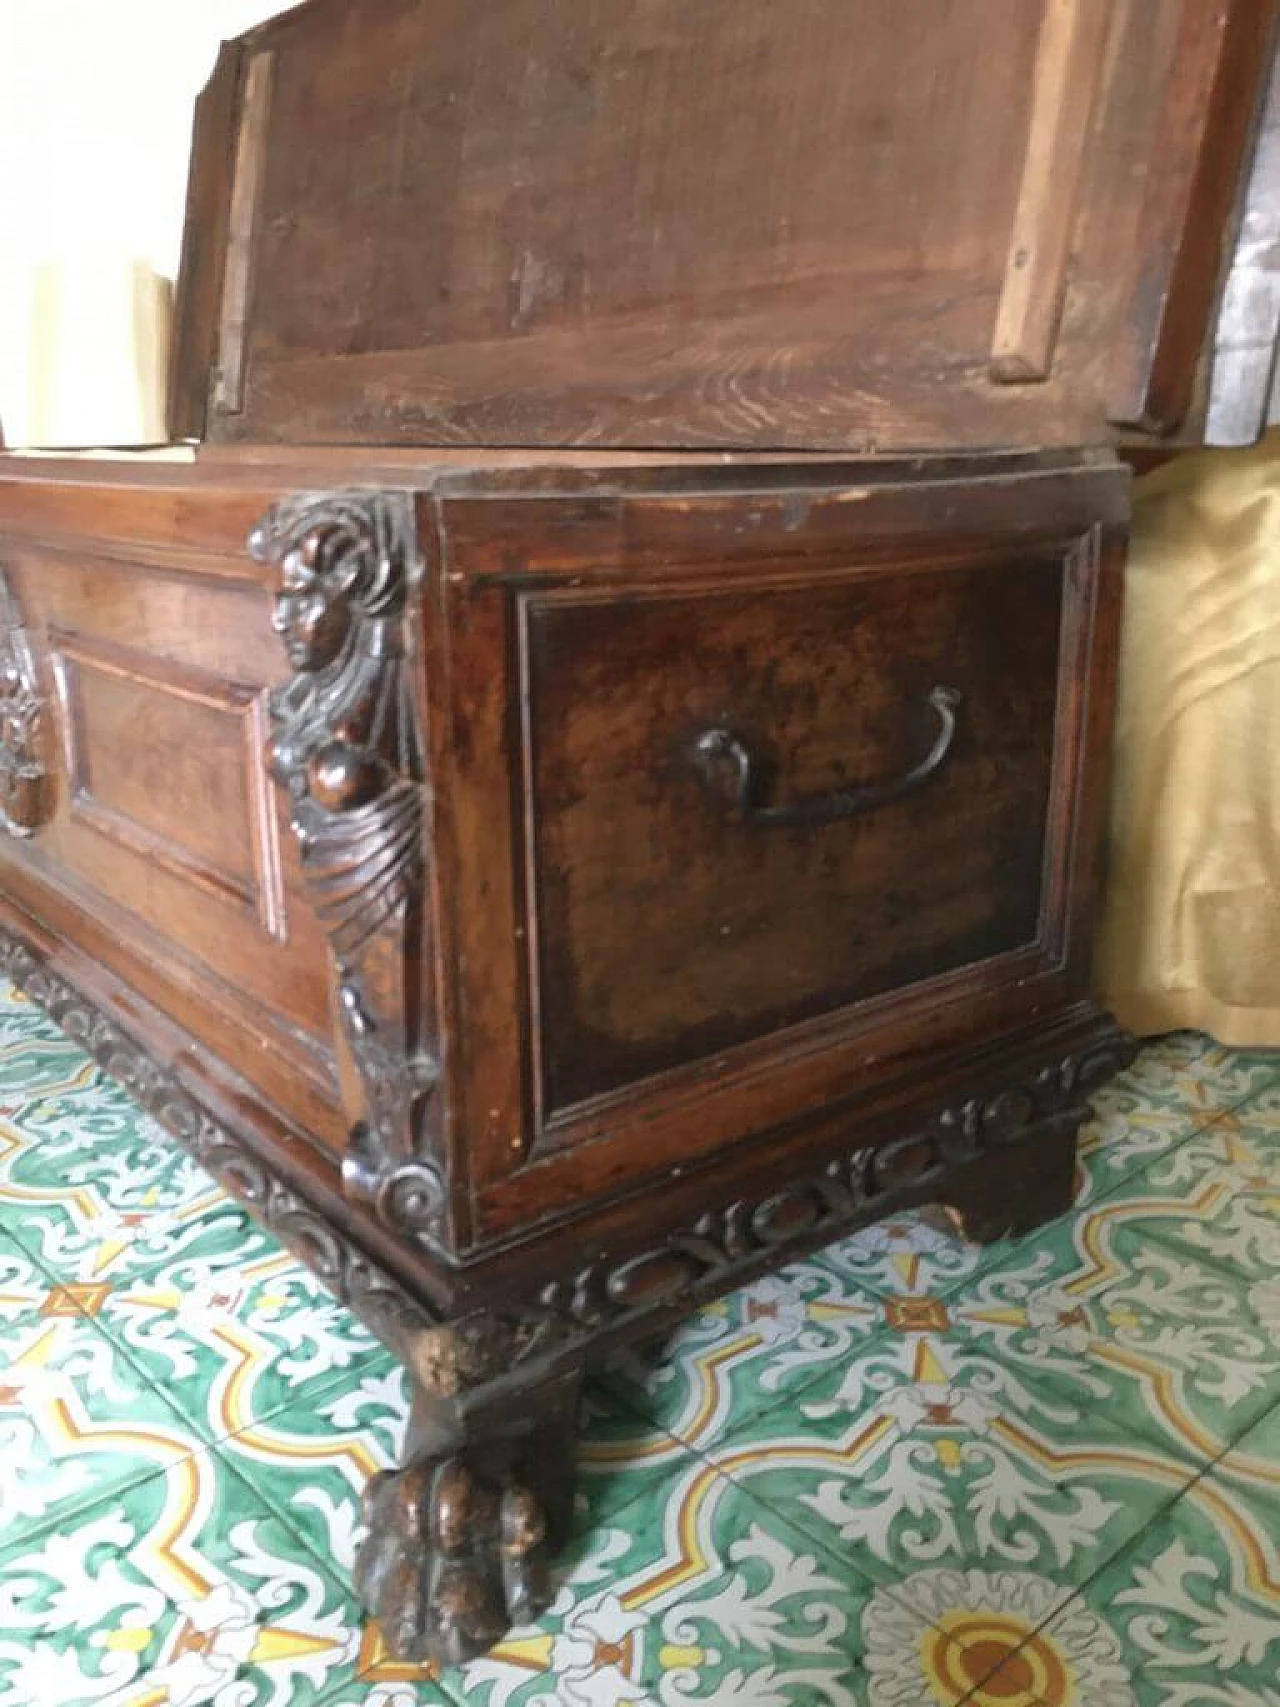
553,885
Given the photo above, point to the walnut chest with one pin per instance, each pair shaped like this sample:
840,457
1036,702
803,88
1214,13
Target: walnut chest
589,781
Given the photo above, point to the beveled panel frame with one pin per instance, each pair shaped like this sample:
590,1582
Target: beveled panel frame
491,558
841,1023
73,655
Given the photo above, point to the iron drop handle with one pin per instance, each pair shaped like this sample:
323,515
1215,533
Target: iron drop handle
730,772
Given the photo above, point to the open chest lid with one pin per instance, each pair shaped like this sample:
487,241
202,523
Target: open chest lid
830,224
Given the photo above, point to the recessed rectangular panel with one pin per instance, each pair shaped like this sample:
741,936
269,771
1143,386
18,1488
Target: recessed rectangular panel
165,853
166,760
748,809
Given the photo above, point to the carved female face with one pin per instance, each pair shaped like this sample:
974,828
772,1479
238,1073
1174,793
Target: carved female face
310,618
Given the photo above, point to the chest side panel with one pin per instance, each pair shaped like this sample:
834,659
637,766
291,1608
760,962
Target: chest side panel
754,801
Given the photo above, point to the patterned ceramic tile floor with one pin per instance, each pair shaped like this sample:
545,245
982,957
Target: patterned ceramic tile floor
905,1473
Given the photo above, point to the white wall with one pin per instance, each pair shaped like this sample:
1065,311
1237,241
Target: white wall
95,123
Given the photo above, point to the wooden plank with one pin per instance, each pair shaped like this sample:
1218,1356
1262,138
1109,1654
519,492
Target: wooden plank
199,285
1244,352
1068,75
228,389
1219,74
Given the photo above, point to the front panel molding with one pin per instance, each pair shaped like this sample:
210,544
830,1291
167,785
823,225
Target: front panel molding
75,657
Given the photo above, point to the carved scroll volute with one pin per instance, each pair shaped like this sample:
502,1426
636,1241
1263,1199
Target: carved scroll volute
24,783
347,749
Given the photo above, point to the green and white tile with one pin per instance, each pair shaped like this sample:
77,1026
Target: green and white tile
38,1063
927,1452
1253,1467
911,1255
1191,1071
1186,1616
741,1353
693,1593
231,1342
94,1208
311,1460
1174,1089
1166,1346
907,1472
620,1453
24,1026
1256,1126
77,1419
176,1590
1215,1202
24,1286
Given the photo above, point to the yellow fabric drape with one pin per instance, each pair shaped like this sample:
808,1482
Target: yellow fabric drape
1190,932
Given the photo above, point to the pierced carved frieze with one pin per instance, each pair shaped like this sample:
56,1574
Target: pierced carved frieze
24,789
720,1249
724,1246
347,749
366,1289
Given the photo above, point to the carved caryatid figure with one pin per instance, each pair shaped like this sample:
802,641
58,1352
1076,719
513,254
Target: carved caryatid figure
22,776
347,748
456,1550
346,744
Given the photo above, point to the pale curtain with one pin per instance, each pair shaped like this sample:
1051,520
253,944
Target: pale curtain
1191,925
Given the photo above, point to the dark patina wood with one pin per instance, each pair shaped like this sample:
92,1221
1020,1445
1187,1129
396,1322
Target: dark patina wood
552,886
23,780
420,945
731,223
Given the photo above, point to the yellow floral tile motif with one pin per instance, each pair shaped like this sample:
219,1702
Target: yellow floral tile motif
984,1640
178,1590
906,1472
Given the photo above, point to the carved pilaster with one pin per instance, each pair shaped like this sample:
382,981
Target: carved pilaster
348,750
24,790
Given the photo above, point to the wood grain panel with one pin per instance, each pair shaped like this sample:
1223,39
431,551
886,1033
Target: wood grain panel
1068,76
168,761
153,628
670,928
1190,194
204,237
640,222
237,277
612,563
646,223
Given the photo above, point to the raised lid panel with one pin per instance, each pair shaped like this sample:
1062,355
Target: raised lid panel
834,223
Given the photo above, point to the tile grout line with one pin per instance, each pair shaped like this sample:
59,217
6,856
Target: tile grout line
1078,1593
691,1453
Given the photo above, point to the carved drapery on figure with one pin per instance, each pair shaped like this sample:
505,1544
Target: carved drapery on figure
23,784
347,748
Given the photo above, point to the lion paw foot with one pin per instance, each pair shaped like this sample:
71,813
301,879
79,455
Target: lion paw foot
452,1559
